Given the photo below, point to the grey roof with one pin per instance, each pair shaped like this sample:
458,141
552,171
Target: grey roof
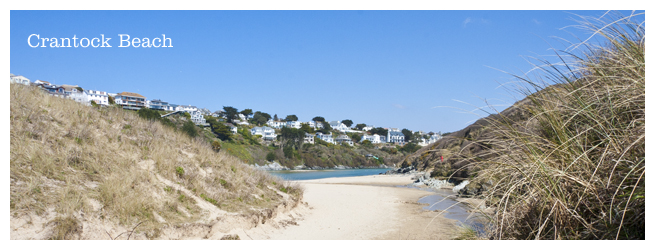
395,133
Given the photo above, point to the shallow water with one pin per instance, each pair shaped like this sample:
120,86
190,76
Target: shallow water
295,175
444,201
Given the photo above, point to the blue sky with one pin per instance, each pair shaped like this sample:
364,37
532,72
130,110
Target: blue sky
421,70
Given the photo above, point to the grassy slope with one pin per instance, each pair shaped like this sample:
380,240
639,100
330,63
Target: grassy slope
67,159
568,162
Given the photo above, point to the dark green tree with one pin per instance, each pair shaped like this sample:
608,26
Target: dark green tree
246,112
356,137
318,119
360,126
408,134
260,118
305,127
326,128
347,122
291,118
410,148
275,118
221,130
292,137
230,113
378,131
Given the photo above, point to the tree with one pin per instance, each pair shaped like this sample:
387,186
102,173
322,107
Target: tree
326,128
275,118
408,134
291,118
260,118
246,112
230,113
149,114
347,122
379,131
356,137
318,119
111,99
222,131
292,136
410,148
306,128
360,126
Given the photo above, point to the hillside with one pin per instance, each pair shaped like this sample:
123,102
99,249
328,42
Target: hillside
568,161
82,172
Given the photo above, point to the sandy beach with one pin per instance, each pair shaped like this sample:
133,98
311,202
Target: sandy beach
357,208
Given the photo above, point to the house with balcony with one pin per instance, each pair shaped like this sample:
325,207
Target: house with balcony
293,124
309,138
344,139
375,138
158,104
99,97
129,100
276,124
337,125
325,137
395,136
268,134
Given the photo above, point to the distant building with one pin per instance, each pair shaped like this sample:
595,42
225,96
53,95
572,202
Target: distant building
99,97
293,124
337,125
129,100
309,138
325,137
395,136
344,139
268,134
19,79
232,127
375,138
158,104
75,93
276,124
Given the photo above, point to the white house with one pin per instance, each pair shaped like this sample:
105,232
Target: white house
74,93
187,108
41,82
325,137
232,127
367,128
197,117
268,134
337,125
375,138
344,139
19,79
129,100
395,136
293,124
100,97
309,138
276,124
158,104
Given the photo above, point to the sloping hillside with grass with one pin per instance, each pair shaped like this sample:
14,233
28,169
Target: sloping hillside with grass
81,172
568,162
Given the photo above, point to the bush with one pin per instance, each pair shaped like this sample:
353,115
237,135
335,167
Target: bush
179,171
270,156
216,146
190,129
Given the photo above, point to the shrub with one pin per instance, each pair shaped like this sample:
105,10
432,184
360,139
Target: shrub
179,171
270,156
216,146
190,129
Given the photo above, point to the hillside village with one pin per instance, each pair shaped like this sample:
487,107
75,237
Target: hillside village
334,132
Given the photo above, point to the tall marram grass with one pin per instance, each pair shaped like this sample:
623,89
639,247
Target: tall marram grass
576,168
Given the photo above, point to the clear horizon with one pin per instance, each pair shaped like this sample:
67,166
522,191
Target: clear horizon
420,70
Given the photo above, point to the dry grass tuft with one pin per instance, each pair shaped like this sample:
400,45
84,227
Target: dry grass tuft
576,168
